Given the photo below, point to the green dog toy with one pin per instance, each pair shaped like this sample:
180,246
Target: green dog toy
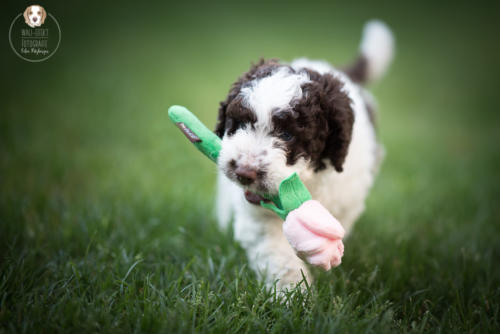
292,192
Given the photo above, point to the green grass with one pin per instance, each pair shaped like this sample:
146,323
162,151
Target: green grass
106,210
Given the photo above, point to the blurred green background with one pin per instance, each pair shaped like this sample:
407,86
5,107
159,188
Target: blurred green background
106,210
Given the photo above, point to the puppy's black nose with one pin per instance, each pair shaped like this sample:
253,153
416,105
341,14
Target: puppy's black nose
246,175
35,18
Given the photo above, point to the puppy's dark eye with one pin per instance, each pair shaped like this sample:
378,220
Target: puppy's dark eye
233,125
229,123
286,136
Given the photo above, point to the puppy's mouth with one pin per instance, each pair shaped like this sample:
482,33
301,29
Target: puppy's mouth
254,198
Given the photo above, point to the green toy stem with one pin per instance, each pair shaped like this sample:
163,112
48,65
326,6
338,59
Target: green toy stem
291,192
205,140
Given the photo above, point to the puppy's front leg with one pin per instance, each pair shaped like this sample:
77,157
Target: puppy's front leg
268,251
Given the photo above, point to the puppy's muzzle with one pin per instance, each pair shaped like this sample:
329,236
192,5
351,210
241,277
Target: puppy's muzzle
246,175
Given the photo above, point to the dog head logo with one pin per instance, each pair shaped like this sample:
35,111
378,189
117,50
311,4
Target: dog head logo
35,15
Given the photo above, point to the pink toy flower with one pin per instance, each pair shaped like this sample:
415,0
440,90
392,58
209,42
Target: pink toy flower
315,235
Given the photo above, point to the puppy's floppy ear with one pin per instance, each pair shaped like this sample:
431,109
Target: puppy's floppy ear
25,14
335,106
220,127
261,69
44,15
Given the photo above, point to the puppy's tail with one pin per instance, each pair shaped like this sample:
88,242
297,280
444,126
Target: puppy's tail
376,52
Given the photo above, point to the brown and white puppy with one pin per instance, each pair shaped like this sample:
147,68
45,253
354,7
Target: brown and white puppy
35,15
305,117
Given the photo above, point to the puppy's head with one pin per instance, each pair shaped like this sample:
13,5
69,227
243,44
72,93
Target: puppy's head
35,15
276,121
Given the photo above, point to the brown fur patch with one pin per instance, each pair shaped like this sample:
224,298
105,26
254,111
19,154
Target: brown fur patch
261,69
321,123
26,15
237,115
358,71
44,14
